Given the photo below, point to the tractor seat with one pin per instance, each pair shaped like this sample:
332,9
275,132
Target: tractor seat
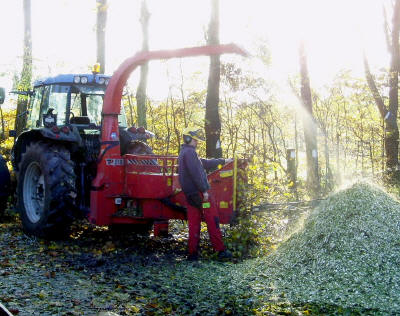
83,120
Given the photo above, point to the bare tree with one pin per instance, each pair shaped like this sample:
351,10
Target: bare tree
101,33
310,128
26,74
389,114
144,69
212,117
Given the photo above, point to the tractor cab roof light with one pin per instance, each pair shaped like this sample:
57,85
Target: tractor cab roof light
84,80
77,79
96,68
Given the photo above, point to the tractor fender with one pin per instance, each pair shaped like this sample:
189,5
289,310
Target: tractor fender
42,134
58,134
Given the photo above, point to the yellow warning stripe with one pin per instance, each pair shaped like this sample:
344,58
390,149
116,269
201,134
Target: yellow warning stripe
226,173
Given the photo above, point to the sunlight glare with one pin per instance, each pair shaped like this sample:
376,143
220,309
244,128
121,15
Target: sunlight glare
64,34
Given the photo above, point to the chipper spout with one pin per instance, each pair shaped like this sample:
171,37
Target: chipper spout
115,87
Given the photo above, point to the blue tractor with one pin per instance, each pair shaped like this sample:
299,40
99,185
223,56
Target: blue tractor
55,157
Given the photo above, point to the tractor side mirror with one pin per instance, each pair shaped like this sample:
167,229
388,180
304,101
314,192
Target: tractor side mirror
12,133
2,95
27,93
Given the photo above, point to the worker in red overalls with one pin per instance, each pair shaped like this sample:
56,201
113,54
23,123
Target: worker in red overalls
194,184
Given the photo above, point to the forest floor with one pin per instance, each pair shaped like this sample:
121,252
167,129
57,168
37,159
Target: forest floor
342,261
98,272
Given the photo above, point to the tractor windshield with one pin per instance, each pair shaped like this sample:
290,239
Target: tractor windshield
87,101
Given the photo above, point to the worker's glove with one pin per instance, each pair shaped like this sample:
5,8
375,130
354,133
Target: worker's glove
229,160
205,196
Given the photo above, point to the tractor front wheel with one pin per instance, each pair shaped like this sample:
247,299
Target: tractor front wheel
46,190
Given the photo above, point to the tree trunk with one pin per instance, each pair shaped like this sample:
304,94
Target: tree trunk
26,74
310,130
392,130
101,33
183,96
390,121
328,172
389,115
291,170
383,146
338,171
144,69
212,118
3,133
132,121
296,142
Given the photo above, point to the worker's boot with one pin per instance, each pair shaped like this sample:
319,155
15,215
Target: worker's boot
225,254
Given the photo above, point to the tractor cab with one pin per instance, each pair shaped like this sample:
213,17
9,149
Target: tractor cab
69,99
68,108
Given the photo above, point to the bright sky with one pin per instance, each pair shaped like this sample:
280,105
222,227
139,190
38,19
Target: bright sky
64,33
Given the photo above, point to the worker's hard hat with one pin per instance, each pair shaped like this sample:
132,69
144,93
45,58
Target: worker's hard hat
193,132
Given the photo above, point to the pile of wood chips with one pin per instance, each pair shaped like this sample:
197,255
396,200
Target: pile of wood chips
347,254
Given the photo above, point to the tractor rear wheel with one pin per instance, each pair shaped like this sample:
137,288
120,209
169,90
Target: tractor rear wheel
46,190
